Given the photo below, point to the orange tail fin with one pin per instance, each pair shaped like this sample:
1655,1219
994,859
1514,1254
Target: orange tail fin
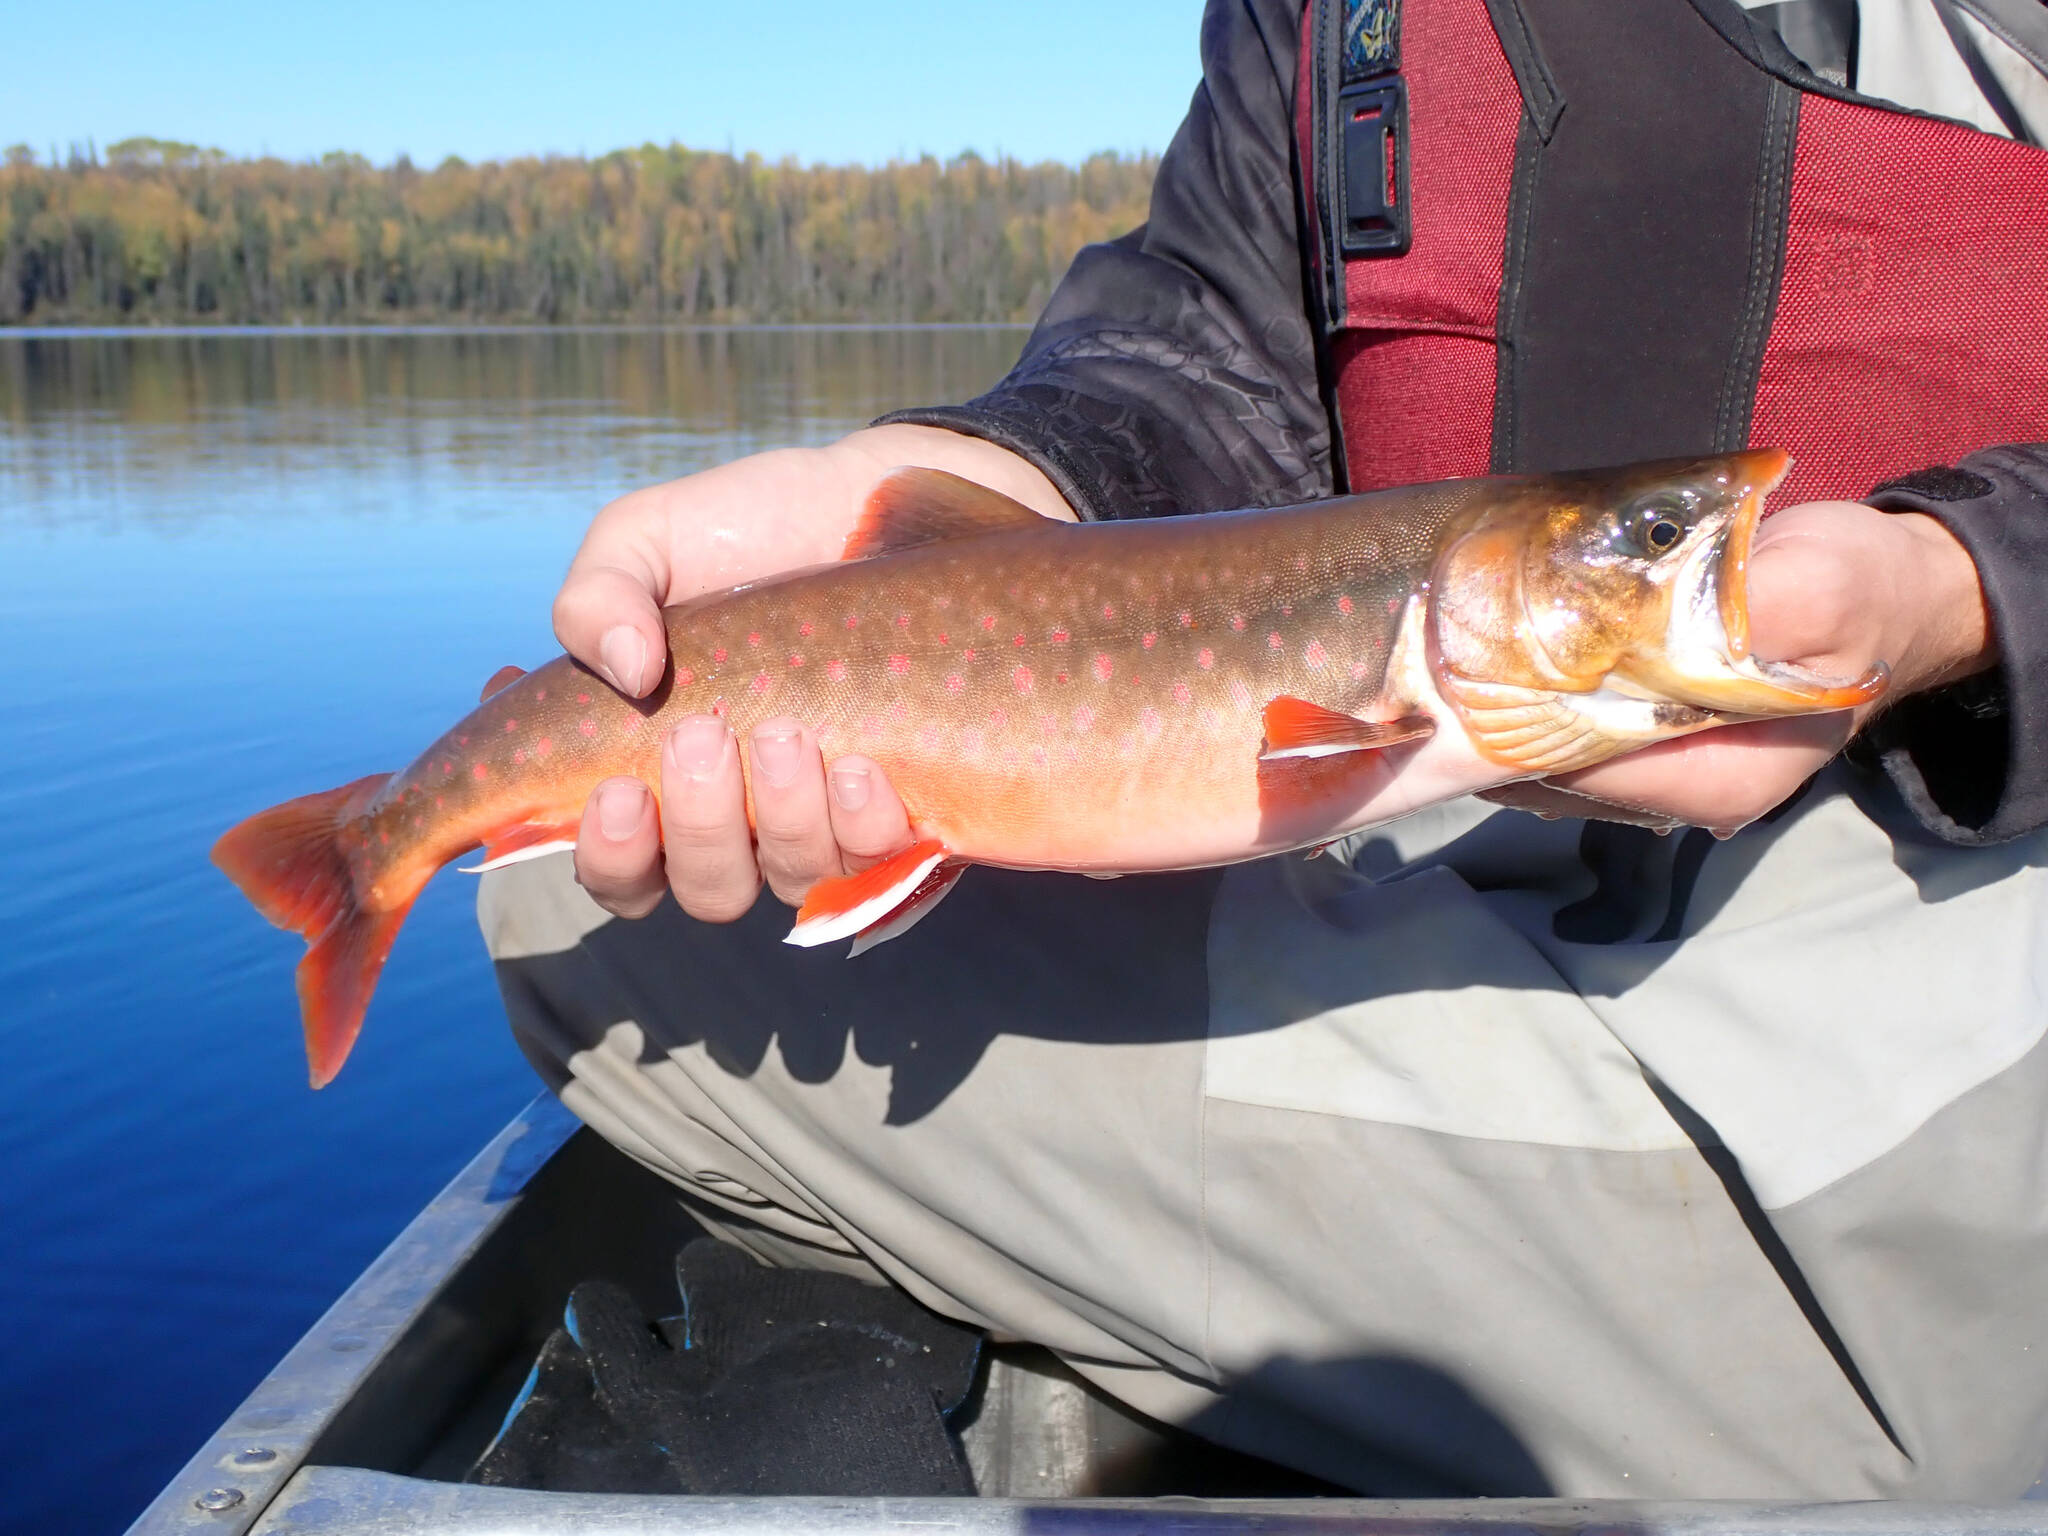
290,863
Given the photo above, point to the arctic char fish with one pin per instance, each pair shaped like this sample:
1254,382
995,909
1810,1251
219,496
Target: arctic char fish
1110,697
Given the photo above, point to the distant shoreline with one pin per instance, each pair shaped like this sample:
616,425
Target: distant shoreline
481,328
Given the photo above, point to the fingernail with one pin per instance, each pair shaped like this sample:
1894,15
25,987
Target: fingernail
696,747
624,652
618,810
777,752
850,787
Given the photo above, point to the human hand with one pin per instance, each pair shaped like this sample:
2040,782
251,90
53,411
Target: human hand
1834,586
660,545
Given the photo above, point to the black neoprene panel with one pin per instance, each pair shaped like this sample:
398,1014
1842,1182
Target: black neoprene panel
1645,238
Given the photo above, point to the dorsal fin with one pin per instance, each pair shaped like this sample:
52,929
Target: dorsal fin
912,506
504,677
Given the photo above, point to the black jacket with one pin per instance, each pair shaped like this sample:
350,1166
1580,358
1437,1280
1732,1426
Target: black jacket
1175,370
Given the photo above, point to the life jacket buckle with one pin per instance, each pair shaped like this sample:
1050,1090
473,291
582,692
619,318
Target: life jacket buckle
1372,123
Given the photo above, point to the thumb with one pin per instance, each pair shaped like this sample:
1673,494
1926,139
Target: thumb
608,619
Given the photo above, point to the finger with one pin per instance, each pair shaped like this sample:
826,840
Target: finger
606,617
1723,778
704,821
792,825
618,849
868,820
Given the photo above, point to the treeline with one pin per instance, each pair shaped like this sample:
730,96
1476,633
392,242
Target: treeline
159,232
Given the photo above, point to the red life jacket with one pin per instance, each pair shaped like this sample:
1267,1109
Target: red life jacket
1550,233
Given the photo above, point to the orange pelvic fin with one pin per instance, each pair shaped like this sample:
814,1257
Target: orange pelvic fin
522,841
928,895
1297,728
289,861
850,904
504,677
912,506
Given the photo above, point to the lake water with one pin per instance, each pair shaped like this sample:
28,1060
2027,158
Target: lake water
236,568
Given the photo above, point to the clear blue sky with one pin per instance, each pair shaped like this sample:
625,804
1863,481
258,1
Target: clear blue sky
850,80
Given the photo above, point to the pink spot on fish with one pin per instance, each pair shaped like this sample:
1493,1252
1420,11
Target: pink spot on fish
1059,677
1021,677
1084,718
447,767
1104,667
998,718
719,654
942,638
1315,655
1393,605
955,682
1301,562
1038,757
383,836
479,771
1287,610
1187,619
1344,602
760,682
967,653
804,629
1182,693
719,706
511,725
462,741
1205,658
1109,610
899,664
795,659
546,745
440,804
582,698
988,621
853,621
836,669
587,726
1358,669
1148,722
903,621
519,754
754,637
1237,622
1273,641
1058,637
1019,640
1149,640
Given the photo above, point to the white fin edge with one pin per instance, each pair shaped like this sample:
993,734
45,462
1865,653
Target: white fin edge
1320,749
537,851
840,925
904,918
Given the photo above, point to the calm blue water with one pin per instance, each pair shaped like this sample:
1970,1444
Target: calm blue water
234,569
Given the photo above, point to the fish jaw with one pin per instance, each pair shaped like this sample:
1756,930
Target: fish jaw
1706,659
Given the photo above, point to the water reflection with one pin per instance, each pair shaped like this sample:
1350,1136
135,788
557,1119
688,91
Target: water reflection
509,404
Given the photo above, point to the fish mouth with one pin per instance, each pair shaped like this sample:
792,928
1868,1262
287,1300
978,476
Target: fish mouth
1706,659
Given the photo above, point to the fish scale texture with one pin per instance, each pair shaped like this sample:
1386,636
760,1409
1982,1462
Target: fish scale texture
770,1381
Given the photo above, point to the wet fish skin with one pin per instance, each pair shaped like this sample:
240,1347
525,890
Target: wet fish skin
1102,698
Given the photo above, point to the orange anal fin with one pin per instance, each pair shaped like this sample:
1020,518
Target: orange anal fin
1297,728
910,506
525,840
914,911
504,677
845,905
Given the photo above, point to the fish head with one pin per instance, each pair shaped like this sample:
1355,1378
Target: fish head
1597,612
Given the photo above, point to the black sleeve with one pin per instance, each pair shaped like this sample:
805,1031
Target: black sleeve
1972,759
1174,369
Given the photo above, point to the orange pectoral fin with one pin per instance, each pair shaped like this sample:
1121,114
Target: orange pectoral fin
503,678
1297,728
851,904
522,841
928,895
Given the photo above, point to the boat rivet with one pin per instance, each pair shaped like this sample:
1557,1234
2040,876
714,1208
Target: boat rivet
217,1499
254,1456
348,1343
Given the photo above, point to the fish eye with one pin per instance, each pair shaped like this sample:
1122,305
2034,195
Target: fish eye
1656,524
